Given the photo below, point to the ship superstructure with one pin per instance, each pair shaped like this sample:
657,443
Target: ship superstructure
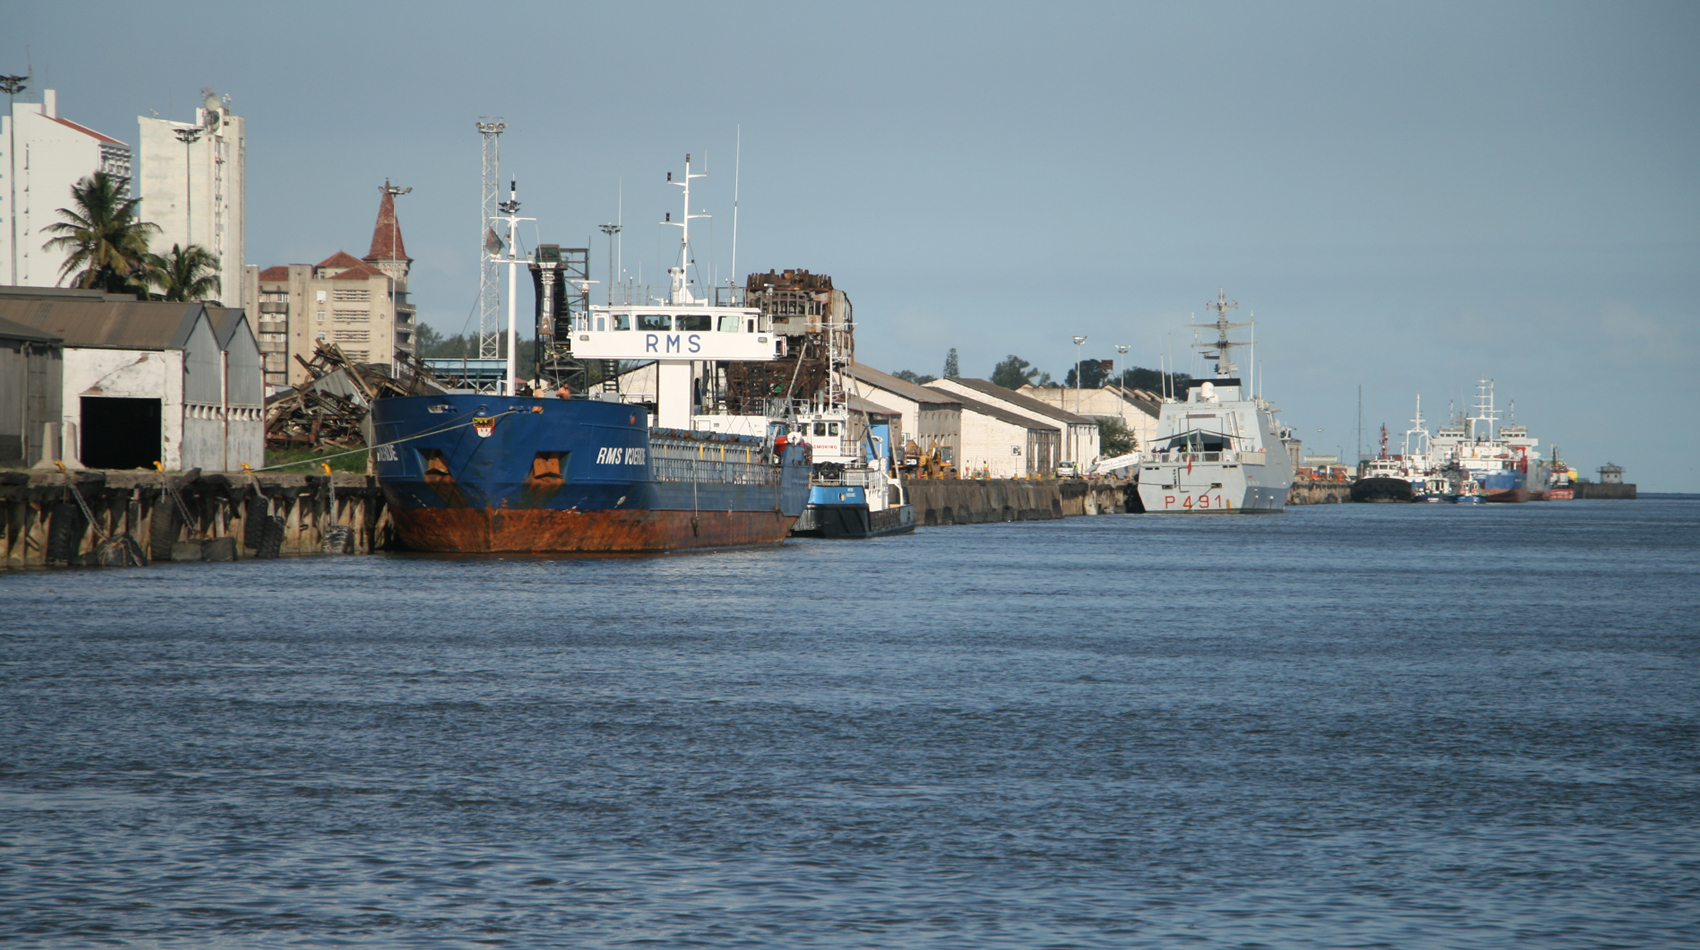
1482,458
1220,449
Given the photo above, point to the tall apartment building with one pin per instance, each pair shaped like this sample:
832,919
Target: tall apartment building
196,190
41,156
361,305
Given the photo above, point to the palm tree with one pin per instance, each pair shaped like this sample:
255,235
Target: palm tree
183,273
106,239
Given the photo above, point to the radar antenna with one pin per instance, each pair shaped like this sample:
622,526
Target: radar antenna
1224,365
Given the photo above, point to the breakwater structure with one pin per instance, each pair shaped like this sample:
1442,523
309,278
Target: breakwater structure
125,518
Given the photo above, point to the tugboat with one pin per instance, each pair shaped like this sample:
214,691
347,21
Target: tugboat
1558,478
1220,450
566,473
1384,479
854,494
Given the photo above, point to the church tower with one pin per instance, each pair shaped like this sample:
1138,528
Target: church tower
388,254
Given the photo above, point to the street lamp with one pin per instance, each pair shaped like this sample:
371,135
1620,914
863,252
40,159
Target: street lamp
13,85
187,135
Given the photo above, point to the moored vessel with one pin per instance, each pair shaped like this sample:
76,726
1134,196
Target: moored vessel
592,473
1218,450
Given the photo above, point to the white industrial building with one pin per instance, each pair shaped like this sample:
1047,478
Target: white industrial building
44,155
1078,435
147,381
195,191
927,417
1137,409
973,435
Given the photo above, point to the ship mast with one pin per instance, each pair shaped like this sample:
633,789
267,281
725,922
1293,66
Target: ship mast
510,214
1225,367
681,292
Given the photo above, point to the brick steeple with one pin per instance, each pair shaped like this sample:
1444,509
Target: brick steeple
388,253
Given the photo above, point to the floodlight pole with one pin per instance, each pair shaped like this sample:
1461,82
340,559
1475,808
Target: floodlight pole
610,230
1079,383
187,136
1121,380
13,85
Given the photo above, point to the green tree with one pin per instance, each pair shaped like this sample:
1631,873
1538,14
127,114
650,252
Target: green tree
425,338
183,273
909,375
1114,438
106,240
952,365
1091,373
1014,372
1151,380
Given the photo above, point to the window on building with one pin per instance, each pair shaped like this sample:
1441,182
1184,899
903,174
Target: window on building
321,296
349,316
353,336
321,336
321,316
342,294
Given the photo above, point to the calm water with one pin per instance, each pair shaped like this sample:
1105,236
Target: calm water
1345,726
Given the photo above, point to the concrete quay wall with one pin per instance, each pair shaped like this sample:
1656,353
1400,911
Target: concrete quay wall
131,518
979,500
1318,492
1616,490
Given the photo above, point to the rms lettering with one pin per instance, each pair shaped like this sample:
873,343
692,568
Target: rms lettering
617,455
672,343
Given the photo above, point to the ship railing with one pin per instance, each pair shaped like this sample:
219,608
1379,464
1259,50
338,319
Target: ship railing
855,478
1255,458
729,464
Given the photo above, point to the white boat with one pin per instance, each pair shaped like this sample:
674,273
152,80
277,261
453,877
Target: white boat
1220,449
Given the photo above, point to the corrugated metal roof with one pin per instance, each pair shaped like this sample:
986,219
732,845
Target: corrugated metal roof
907,390
225,321
17,331
994,391
856,403
1000,413
108,324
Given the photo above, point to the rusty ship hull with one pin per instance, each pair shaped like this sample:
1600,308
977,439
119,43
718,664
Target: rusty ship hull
493,474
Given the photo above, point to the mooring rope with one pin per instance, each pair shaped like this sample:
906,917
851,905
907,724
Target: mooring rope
321,459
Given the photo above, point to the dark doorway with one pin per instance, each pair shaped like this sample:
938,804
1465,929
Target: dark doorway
120,433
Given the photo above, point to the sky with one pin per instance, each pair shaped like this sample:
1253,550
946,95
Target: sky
1408,197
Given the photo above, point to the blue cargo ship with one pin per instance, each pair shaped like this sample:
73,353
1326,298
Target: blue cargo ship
476,473
619,473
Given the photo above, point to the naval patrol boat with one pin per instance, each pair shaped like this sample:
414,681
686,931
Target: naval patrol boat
1219,450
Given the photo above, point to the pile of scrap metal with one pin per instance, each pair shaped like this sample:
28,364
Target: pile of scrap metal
817,331
331,408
